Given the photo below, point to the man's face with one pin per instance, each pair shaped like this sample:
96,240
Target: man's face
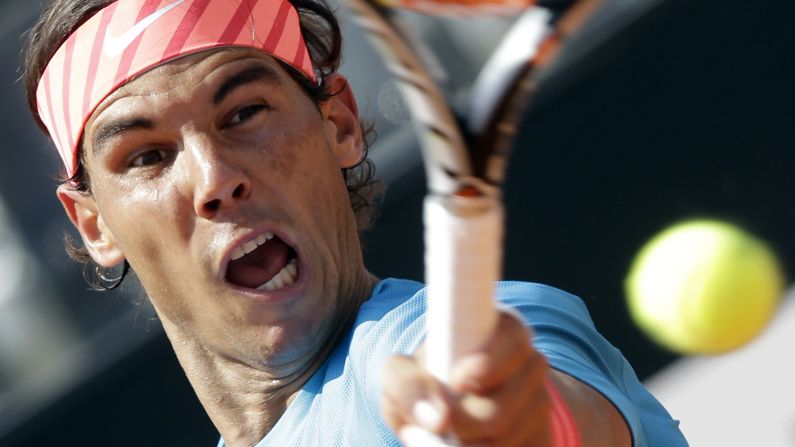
208,157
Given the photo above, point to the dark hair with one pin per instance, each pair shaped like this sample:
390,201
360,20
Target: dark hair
321,32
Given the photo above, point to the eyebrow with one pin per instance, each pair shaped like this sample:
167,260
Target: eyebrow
252,74
116,128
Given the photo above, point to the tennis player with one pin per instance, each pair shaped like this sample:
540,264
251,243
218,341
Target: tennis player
211,147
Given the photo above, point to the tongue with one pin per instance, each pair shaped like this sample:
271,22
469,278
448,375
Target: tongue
259,266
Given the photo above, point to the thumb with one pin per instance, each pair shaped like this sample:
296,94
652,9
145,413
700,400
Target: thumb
412,397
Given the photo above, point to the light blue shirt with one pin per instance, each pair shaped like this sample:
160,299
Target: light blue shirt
339,405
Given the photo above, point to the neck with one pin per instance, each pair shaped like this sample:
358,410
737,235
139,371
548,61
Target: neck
245,402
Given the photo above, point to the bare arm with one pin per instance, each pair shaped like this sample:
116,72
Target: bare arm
598,420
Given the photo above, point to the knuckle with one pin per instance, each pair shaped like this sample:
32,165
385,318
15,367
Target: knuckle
483,413
402,381
513,325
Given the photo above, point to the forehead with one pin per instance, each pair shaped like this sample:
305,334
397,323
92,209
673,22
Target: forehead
185,74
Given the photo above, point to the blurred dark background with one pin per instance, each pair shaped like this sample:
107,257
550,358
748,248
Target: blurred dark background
687,112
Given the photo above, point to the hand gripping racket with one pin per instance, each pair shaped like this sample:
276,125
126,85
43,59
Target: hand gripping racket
465,164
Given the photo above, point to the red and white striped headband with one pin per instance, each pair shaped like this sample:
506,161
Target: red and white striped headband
129,37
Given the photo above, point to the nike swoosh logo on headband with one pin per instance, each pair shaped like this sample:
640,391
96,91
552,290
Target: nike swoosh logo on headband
115,45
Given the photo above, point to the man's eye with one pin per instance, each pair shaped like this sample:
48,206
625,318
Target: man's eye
245,114
149,158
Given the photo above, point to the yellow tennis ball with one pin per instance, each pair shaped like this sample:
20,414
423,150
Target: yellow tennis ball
704,287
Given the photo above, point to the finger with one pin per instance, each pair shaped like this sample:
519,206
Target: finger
506,427
504,353
411,396
412,436
507,413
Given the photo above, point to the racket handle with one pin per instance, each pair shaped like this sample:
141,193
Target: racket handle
463,253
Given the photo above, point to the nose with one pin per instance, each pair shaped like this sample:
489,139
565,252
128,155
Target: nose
220,182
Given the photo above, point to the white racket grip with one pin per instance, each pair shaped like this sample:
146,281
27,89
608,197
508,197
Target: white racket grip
463,255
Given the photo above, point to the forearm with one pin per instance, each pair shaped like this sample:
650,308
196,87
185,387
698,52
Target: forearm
599,422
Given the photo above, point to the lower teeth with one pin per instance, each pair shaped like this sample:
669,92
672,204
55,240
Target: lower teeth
285,277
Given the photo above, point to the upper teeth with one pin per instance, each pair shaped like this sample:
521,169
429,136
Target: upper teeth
250,246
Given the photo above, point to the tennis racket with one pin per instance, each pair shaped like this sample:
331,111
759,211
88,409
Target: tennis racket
466,163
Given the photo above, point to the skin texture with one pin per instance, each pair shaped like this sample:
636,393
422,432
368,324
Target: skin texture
181,175
266,158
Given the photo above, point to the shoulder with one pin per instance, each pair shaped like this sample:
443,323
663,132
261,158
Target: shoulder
392,318
392,321
540,298
564,332
390,294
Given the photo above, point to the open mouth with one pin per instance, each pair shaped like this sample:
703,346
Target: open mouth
265,263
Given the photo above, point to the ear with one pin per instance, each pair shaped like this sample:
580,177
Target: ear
97,237
341,120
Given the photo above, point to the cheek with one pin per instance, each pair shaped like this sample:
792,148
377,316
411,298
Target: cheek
144,220
306,161
286,163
